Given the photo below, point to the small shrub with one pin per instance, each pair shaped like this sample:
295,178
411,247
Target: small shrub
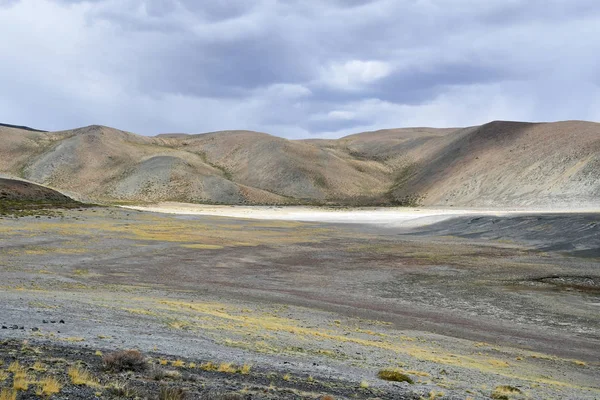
364,385
394,375
126,360
327,397
171,393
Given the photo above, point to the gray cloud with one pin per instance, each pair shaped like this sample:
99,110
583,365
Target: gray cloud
296,68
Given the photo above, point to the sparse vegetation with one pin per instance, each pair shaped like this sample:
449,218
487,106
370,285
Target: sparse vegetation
505,392
15,367
126,360
38,367
394,375
8,394
81,376
245,370
20,382
227,367
48,386
171,393
121,389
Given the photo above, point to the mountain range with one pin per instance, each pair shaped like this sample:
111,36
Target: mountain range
498,164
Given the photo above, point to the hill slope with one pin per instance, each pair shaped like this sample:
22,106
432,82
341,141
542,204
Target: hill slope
498,164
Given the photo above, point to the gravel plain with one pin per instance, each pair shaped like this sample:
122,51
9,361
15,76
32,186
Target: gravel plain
465,305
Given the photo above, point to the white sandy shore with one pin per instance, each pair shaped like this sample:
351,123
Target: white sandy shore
386,216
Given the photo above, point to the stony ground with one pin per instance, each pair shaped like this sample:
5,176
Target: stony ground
468,308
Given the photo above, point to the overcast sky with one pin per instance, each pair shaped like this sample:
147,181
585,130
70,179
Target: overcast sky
296,68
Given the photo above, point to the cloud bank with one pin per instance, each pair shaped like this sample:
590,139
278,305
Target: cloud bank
295,68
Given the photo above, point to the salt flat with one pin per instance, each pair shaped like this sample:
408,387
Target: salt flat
381,216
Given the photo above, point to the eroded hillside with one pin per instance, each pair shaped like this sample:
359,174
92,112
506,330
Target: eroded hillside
498,164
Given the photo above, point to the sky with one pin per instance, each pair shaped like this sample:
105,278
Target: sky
296,68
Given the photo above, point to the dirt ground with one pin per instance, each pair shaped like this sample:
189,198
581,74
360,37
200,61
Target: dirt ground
467,306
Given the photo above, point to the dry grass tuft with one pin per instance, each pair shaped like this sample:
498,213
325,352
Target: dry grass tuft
245,370
126,360
505,392
433,395
178,363
121,389
8,394
394,375
209,366
15,367
81,377
3,375
20,382
38,367
228,368
364,385
48,386
171,393
327,397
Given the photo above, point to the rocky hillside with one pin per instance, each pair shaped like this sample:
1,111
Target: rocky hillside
498,164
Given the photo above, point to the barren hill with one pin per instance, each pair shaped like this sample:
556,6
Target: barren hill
495,165
13,190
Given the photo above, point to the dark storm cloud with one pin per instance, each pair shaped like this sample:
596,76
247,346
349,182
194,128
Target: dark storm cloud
296,68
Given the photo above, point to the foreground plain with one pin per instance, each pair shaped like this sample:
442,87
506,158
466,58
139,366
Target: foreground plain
472,306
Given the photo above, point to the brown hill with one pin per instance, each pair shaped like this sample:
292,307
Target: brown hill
497,164
13,191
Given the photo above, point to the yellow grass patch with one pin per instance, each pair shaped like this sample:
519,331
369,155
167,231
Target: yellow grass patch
15,367
38,367
245,370
81,376
227,367
8,394
48,386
